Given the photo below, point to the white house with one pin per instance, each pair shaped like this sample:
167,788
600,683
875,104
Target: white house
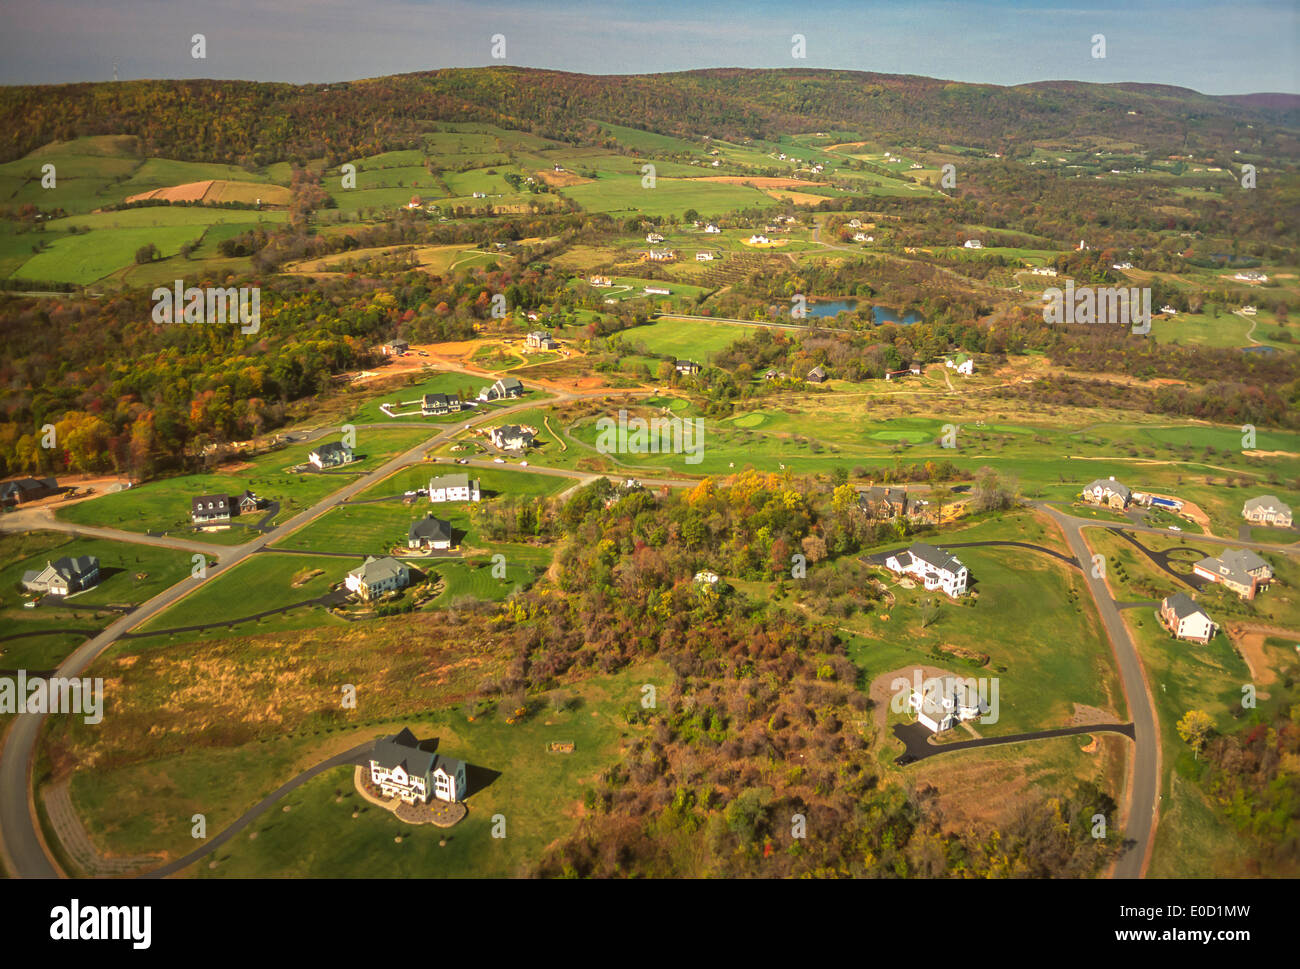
377,575
1248,311
974,244
656,291
712,229
945,701
601,282
704,256
933,566
758,240
1267,510
399,768
1185,619
330,455
540,340
653,238
706,577
453,487
63,576
1043,271
962,363
1251,276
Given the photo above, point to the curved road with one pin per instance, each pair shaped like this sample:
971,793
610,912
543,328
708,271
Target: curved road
21,843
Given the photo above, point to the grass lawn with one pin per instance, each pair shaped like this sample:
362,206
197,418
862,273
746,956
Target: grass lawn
686,339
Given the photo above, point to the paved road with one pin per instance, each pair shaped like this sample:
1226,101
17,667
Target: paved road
20,844
36,519
1143,787
916,738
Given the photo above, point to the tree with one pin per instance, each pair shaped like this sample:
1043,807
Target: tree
146,254
1195,729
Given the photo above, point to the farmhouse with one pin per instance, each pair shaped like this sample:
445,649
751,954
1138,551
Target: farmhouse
540,340
855,223
502,389
453,487
399,768
962,363
660,255
330,455
657,291
434,404
429,532
26,489
1239,569
863,237
758,240
210,508
816,375
974,244
910,371
1248,311
63,576
377,575
933,566
686,366
707,577
511,437
1043,271
704,255
1185,619
1107,491
601,282
946,702
653,238
712,229
1251,276
1267,510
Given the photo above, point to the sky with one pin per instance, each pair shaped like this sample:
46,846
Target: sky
1211,46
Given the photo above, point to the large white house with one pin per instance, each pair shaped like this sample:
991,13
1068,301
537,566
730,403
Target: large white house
962,363
511,437
1185,619
1267,510
974,244
453,487
935,568
945,701
502,389
399,768
376,576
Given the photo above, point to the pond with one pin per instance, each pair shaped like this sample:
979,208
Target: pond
879,314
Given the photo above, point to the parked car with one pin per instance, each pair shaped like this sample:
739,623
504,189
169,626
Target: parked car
499,460
462,460
1174,528
523,464
410,494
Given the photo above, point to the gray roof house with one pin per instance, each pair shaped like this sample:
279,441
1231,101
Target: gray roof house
399,768
816,375
210,508
1269,510
63,576
327,455
429,532
503,388
377,575
511,437
1108,491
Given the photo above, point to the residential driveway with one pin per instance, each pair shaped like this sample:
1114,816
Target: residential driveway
916,738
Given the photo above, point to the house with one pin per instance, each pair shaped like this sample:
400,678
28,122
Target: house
1121,265
656,291
660,255
933,566
910,371
601,282
399,768
855,223
435,404
63,576
1168,310
429,532
454,487
248,502
974,244
707,577
816,375
26,489
704,256
329,455
883,502
947,702
962,363
210,508
1248,311
653,238
415,202
1185,619
540,340
758,240
511,437
1108,491
863,237
504,388
1251,276
1267,510
1043,271
712,229
376,576
1238,569
686,367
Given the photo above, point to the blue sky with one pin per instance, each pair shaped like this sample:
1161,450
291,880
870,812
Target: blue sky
1214,47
